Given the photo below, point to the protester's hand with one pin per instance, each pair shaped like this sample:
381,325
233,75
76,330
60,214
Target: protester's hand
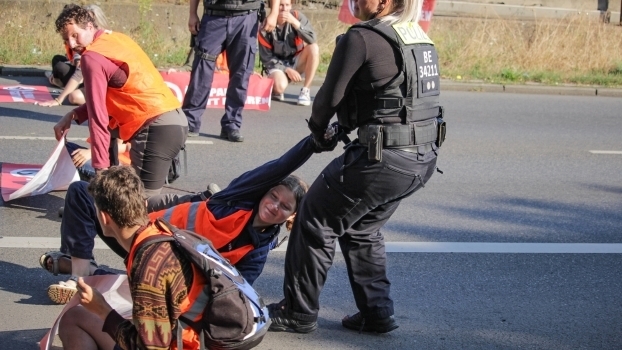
50,103
80,157
92,300
293,74
63,125
285,16
194,23
270,22
171,70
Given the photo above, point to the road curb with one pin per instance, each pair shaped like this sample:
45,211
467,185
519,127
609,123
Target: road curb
446,85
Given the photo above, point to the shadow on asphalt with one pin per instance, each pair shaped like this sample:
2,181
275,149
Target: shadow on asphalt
26,339
28,114
46,204
523,219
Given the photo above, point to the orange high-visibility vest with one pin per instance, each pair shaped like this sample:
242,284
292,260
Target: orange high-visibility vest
198,218
221,63
144,95
190,337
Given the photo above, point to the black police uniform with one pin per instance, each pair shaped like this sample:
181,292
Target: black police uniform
354,196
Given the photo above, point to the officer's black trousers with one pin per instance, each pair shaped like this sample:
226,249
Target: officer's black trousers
349,202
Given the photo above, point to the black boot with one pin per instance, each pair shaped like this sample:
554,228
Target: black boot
281,321
358,323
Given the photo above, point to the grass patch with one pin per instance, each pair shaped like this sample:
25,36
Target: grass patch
573,50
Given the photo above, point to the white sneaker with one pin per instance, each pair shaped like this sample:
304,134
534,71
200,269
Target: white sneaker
304,99
278,97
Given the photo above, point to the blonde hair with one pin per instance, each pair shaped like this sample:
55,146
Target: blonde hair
100,20
404,11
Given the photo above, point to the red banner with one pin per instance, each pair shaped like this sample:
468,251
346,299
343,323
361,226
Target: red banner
346,13
24,93
259,90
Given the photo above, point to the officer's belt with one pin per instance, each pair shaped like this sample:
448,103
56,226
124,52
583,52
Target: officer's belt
226,13
393,103
402,135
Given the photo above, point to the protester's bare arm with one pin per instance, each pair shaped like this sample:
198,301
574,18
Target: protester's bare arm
71,86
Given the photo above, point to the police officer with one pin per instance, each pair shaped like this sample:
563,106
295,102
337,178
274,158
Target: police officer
383,79
231,26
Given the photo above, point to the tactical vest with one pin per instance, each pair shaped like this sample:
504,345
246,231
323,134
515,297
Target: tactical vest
231,5
412,96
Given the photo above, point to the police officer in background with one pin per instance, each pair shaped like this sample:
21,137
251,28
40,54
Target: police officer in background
231,26
384,80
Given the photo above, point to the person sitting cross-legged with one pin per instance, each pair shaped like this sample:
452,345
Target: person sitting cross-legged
160,277
289,52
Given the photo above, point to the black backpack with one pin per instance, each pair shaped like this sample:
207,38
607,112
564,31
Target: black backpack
235,316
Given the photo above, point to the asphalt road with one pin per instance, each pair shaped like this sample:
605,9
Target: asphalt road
517,170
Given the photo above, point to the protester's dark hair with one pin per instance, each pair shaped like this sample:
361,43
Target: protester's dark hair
299,188
73,13
119,192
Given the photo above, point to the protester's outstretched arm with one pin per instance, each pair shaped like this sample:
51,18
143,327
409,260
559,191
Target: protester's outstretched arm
253,184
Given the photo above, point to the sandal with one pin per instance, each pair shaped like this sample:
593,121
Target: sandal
62,292
55,256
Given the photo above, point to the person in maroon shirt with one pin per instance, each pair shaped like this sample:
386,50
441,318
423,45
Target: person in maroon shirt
160,137
126,98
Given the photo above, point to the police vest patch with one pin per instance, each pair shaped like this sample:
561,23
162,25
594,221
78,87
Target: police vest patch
411,33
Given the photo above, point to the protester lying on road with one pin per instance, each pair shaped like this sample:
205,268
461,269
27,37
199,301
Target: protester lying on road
243,220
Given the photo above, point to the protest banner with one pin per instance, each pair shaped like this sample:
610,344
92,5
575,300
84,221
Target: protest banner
258,97
22,180
114,288
24,93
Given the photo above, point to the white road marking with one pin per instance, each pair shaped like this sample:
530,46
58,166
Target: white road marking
46,138
605,152
394,247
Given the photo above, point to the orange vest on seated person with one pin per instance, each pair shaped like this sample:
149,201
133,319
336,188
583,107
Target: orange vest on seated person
190,337
196,217
144,95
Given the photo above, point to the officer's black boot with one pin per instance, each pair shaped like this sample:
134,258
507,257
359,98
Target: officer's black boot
281,320
359,323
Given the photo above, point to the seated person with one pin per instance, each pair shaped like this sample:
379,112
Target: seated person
66,71
289,51
95,325
243,220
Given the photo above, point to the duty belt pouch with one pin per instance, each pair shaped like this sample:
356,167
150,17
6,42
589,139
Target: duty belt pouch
425,132
441,130
374,142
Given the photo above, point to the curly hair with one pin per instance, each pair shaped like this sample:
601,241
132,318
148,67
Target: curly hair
73,13
119,192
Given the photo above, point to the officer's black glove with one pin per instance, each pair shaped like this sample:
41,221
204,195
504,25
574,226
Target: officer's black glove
317,131
320,142
323,145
